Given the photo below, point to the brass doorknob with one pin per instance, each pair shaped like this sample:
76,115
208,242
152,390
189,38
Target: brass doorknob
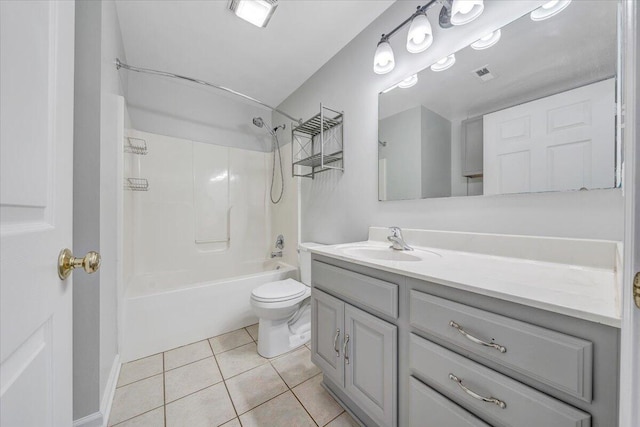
67,262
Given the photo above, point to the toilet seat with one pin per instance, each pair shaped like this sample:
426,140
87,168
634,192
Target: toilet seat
282,290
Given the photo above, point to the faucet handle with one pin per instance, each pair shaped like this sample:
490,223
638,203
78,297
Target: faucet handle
395,231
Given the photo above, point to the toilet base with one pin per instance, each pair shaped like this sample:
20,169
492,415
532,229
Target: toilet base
276,337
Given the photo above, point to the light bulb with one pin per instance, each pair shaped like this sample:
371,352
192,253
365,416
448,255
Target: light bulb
444,64
420,34
408,82
549,9
487,41
383,60
465,11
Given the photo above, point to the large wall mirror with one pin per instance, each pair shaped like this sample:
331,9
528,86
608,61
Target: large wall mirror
534,112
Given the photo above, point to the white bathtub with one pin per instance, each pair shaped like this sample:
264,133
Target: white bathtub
168,310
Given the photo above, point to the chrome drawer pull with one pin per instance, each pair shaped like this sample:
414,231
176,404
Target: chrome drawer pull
498,347
335,343
475,395
344,348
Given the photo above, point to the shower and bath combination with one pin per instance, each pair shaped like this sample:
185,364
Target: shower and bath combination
259,122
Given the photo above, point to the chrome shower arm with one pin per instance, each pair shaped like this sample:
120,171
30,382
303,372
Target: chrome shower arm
120,64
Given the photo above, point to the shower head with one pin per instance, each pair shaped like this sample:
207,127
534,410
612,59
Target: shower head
258,121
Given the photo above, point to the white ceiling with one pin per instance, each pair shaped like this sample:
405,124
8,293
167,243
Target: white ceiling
204,39
531,60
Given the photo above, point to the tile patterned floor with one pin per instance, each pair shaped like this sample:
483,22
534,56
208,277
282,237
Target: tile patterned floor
223,381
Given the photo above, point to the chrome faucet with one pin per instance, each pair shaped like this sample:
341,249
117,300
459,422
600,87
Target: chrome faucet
277,254
397,241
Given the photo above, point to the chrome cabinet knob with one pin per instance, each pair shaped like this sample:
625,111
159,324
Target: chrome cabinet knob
67,263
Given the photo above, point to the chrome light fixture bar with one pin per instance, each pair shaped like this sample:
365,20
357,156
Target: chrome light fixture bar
420,36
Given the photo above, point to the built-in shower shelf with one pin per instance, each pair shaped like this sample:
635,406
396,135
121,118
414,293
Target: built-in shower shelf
313,139
135,146
136,184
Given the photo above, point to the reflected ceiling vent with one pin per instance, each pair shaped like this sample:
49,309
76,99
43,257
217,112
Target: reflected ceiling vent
484,74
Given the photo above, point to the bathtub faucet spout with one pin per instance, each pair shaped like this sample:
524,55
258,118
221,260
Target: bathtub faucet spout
276,254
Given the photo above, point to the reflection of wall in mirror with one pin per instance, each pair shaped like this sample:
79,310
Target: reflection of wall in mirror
416,156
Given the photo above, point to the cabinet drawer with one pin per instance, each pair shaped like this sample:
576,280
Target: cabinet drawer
448,372
371,292
428,408
561,361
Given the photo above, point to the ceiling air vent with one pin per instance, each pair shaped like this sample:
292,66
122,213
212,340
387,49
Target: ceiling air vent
484,74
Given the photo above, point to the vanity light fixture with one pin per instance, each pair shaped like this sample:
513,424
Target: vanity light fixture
487,41
257,12
383,61
408,82
549,9
420,36
465,11
444,64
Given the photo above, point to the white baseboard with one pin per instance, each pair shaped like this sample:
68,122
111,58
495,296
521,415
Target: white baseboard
101,418
93,420
110,390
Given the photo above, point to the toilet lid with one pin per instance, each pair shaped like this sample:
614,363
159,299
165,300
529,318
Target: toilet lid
279,291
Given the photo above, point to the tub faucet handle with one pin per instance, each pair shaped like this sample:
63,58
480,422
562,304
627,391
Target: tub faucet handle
280,241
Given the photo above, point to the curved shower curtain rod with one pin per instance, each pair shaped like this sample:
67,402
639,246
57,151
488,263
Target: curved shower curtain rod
120,64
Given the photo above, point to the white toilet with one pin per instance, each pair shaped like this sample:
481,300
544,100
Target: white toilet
284,310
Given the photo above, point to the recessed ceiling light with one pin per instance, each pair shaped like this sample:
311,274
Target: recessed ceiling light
408,82
444,64
257,12
487,41
549,9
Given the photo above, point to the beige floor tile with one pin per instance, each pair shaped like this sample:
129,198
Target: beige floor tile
320,405
296,367
254,387
187,354
238,360
207,408
153,418
136,398
343,420
284,410
140,369
230,341
190,378
233,423
253,331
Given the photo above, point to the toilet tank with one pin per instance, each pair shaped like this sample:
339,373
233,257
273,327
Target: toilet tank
304,259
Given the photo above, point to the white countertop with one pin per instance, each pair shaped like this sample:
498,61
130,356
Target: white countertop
579,291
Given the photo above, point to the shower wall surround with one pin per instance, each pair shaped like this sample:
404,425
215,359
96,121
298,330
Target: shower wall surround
339,207
206,210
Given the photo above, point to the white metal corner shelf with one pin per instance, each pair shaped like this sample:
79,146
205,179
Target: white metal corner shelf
317,144
139,147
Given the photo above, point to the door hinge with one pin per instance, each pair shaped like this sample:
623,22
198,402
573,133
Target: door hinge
636,289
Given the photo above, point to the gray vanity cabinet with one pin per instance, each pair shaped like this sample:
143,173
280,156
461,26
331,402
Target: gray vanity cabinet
358,353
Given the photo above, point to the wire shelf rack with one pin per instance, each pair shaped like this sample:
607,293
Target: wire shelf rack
135,146
318,144
136,184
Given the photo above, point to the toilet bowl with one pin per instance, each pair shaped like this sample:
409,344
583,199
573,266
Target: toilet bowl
284,310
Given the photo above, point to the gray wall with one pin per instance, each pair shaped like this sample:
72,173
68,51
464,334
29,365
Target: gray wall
436,154
402,133
96,152
338,207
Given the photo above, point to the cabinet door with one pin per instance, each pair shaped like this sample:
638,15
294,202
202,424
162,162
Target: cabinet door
371,364
327,333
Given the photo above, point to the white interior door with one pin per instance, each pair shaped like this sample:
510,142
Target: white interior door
558,143
36,140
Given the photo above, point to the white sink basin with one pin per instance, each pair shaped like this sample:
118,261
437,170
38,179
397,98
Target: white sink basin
387,254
